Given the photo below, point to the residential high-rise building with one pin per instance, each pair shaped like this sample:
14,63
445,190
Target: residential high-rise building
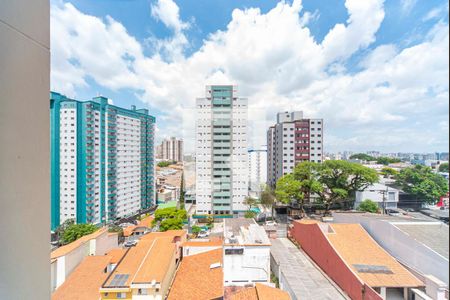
172,150
292,140
221,152
102,161
257,175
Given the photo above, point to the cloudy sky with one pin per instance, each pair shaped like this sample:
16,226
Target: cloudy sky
376,71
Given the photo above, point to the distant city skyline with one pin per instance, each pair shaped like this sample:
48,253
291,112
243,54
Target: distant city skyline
375,71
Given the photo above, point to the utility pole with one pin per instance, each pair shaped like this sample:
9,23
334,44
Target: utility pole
384,192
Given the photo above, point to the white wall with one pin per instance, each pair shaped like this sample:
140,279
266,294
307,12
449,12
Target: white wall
25,149
252,266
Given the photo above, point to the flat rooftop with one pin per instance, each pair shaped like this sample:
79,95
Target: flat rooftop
244,232
434,235
304,278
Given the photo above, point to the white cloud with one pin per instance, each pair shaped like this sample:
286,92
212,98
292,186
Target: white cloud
407,5
277,64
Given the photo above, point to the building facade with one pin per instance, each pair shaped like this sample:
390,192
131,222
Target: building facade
257,175
172,150
292,140
102,160
221,152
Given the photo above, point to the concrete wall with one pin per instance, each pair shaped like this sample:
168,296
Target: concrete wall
313,241
252,266
405,249
25,149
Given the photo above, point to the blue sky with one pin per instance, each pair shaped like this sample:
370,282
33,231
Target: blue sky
372,68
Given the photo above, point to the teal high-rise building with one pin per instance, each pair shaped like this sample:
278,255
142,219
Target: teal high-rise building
102,160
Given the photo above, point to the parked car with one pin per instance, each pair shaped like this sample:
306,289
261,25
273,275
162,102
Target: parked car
203,234
271,223
294,217
393,212
129,244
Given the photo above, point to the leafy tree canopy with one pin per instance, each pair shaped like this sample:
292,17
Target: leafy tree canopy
164,164
250,202
75,231
423,183
443,167
368,206
171,224
196,229
387,160
386,172
249,214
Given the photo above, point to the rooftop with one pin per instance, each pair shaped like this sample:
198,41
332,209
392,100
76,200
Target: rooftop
434,235
199,276
85,280
260,292
213,242
244,232
63,250
366,258
148,261
305,279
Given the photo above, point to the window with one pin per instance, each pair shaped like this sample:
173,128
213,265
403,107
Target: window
234,251
121,295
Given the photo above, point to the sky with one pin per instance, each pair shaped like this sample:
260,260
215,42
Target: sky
376,71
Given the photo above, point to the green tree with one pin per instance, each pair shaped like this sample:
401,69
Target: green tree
423,183
368,206
196,229
267,198
341,179
363,156
249,214
387,160
182,192
443,167
250,202
288,190
75,231
387,172
171,224
164,164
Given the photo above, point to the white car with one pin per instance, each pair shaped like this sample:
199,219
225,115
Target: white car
271,223
203,234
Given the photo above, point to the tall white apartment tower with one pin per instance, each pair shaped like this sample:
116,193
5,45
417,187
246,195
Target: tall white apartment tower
172,149
292,140
221,152
257,165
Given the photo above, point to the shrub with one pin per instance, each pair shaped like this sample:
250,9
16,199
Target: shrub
249,214
368,206
76,231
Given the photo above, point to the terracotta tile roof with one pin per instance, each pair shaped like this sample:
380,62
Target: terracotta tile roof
61,251
356,247
148,260
169,233
195,280
116,255
261,292
128,231
156,264
146,222
85,280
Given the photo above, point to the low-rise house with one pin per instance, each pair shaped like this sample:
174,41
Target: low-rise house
196,246
352,259
246,252
65,259
199,277
385,196
422,245
260,292
147,270
86,279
